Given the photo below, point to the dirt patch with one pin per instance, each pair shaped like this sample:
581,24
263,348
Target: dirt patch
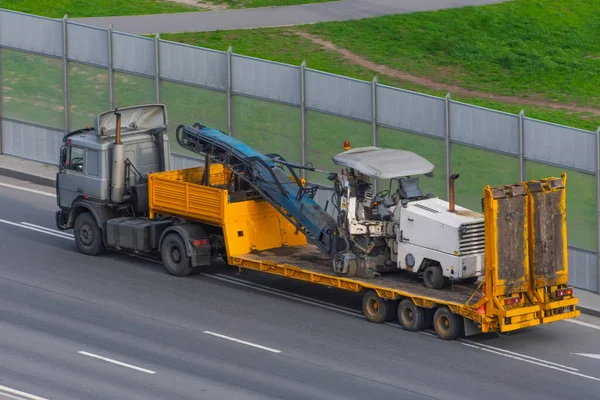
201,4
432,84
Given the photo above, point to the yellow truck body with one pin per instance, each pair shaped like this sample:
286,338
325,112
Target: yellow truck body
526,260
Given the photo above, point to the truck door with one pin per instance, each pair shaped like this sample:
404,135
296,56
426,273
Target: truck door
70,175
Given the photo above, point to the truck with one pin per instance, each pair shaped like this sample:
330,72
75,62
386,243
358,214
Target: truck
115,189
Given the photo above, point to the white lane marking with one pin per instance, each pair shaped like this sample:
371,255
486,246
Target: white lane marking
583,323
47,229
35,229
85,353
8,185
258,346
596,356
20,393
532,362
516,354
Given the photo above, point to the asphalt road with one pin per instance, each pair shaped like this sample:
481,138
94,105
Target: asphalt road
272,16
69,322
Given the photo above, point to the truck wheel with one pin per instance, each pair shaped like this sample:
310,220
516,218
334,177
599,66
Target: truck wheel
447,325
375,308
174,255
88,236
433,277
411,317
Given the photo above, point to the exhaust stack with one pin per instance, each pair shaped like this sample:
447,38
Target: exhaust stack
453,177
118,165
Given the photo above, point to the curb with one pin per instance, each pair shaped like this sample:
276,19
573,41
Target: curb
24,176
589,311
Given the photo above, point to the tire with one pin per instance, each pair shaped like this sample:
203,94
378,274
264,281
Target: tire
433,277
88,236
447,325
411,317
375,309
174,255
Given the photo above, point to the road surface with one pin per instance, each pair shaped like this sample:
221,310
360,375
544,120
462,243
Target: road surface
272,16
118,327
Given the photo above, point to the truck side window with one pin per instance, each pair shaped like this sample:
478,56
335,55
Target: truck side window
92,161
76,159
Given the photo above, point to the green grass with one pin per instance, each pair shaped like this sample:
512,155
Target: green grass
95,8
539,48
282,45
110,8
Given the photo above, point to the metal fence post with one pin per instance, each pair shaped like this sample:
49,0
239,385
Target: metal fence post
374,136
157,66
111,78
522,146
598,205
303,143
229,84
448,153
65,73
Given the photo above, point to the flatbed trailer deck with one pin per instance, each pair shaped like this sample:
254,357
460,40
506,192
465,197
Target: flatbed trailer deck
522,286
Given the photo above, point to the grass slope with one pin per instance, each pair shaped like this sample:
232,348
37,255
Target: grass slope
536,48
109,8
96,8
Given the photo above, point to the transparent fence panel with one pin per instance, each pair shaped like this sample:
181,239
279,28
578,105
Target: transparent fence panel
583,269
88,87
188,105
581,202
131,90
268,127
430,148
32,88
31,141
478,168
326,135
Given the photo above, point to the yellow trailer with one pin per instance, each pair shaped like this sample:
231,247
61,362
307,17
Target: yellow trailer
526,263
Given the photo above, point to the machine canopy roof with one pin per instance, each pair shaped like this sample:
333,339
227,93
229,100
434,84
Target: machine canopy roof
381,163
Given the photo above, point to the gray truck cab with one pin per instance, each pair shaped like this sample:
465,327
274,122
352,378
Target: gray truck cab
90,176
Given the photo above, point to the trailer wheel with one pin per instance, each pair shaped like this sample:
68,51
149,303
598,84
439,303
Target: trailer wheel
447,325
375,308
433,276
411,317
88,236
174,255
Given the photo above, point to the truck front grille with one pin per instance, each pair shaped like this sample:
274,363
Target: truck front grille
472,240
